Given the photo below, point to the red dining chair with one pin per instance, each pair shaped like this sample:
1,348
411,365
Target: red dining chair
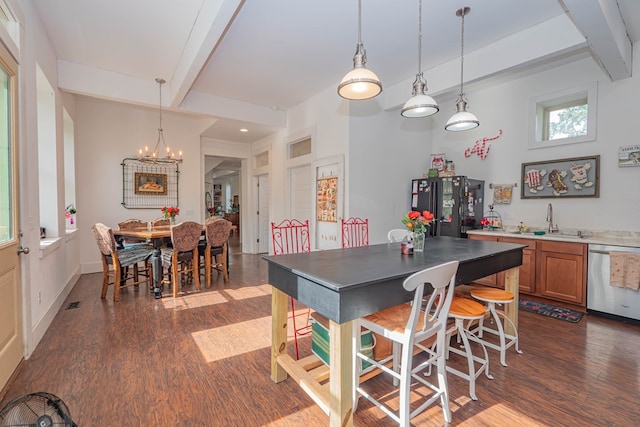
292,236
355,232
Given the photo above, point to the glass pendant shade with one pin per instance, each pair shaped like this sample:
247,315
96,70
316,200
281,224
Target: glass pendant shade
359,83
462,120
420,104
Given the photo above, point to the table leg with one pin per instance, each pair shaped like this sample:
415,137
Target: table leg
156,261
341,374
512,284
278,333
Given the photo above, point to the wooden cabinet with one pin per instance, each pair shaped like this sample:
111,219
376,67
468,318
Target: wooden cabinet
550,269
493,279
563,271
528,267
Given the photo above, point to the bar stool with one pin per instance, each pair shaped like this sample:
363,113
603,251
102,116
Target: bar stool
491,297
465,309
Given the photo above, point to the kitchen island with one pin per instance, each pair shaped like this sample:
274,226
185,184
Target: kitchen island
345,284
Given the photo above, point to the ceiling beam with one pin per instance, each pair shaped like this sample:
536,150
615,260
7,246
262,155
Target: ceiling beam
209,28
600,21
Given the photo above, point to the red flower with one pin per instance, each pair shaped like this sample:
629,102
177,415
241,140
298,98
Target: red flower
170,212
413,215
418,221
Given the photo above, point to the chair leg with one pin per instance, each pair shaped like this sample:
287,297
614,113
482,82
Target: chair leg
174,275
105,278
194,268
207,268
116,281
225,267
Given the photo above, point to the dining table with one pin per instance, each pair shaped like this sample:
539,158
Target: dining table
346,284
157,238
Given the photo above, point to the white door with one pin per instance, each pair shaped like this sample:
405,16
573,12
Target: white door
302,193
264,230
11,341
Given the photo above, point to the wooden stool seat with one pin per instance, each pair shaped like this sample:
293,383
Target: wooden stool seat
465,309
493,296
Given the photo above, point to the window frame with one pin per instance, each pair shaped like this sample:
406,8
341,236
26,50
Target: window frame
539,108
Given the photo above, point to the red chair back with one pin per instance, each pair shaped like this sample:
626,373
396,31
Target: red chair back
291,236
355,232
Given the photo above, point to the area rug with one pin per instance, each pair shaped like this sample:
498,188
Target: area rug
551,311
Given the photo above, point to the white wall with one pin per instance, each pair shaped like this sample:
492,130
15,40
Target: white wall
506,107
107,133
46,280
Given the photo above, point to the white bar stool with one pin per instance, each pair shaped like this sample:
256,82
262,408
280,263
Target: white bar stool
465,309
491,297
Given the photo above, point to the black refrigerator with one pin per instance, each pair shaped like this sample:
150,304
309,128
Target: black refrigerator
456,203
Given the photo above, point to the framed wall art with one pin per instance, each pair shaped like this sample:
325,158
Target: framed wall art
561,178
150,183
629,156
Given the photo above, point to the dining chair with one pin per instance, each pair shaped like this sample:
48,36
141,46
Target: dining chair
119,260
214,248
292,236
182,256
397,235
160,222
129,242
355,232
419,324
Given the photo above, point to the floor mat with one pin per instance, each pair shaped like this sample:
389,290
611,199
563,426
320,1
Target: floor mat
551,311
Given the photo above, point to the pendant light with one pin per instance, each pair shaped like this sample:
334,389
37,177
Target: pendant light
161,152
420,104
359,83
462,120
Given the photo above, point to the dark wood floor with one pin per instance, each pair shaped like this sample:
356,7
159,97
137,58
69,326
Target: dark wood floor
203,360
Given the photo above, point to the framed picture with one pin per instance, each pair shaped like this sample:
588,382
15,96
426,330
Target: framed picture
561,178
150,183
629,156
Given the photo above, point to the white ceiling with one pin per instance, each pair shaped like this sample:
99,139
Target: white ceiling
244,63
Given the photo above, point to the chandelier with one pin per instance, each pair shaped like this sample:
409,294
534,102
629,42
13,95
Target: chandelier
161,152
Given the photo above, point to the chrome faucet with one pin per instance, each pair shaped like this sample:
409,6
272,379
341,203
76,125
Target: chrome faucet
551,228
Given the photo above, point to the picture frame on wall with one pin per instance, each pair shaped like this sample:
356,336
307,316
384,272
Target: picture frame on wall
150,183
561,178
629,156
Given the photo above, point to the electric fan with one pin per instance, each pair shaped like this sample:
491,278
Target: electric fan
37,410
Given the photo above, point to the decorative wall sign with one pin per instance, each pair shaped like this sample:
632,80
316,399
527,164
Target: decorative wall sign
629,156
574,177
502,193
482,146
438,161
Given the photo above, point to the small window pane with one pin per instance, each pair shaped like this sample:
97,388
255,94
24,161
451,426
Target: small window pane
299,149
566,122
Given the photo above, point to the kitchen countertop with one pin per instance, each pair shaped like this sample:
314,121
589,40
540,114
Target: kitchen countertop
616,238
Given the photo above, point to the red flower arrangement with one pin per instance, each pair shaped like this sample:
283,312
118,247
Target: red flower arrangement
170,212
418,221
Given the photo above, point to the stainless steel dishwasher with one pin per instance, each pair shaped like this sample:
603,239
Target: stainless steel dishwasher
601,296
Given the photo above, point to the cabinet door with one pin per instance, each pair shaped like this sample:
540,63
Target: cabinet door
491,280
563,271
528,267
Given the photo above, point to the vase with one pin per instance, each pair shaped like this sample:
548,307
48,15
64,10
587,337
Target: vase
172,220
418,241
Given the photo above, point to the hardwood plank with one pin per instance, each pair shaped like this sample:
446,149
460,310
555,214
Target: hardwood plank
204,360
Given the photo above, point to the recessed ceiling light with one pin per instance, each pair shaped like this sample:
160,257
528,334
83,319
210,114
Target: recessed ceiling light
244,130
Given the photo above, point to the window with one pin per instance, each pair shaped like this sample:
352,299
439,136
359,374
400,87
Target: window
564,117
300,148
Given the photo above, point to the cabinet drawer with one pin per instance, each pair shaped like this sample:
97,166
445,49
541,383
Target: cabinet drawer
531,244
563,247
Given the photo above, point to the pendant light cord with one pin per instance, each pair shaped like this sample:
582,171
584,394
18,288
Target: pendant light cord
463,12
160,82
359,22
420,37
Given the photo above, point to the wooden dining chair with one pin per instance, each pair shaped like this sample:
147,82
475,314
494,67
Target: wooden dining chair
119,260
355,232
419,324
182,257
292,236
160,222
214,250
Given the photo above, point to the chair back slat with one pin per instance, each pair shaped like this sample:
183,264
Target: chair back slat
185,236
160,222
105,239
291,236
355,232
133,224
217,231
